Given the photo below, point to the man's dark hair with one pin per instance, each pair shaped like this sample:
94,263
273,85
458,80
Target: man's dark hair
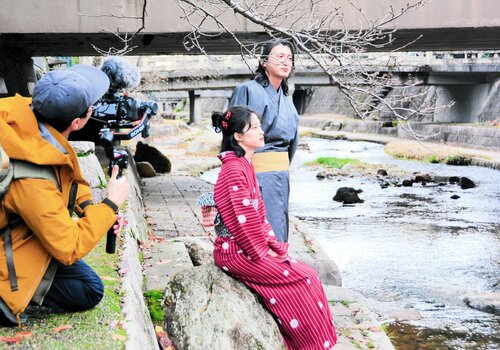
260,74
58,124
237,119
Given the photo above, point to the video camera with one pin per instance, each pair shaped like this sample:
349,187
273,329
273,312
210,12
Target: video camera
124,115
119,117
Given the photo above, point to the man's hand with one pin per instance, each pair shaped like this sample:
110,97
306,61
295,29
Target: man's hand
120,222
117,188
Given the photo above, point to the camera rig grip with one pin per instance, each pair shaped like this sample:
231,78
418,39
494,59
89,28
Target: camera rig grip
116,157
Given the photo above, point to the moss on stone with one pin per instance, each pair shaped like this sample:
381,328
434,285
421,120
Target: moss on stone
154,301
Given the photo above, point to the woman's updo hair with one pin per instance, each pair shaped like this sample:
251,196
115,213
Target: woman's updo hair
235,120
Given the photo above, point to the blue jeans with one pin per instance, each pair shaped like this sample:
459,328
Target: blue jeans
75,287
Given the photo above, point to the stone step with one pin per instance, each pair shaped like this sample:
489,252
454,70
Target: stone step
164,260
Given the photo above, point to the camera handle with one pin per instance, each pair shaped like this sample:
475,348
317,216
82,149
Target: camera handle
120,158
116,157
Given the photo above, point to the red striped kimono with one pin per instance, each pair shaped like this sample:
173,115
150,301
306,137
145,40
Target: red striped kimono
290,289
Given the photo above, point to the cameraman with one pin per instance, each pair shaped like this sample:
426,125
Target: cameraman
47,243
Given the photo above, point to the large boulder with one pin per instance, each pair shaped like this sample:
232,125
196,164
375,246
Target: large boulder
347,195
91,168
486,302
206,307
147,153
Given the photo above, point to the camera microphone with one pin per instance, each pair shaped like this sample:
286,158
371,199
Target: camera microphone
121,73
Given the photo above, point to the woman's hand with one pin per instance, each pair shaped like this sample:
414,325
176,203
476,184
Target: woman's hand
272,253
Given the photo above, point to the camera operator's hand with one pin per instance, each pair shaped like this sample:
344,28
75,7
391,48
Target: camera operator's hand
120,222
117,188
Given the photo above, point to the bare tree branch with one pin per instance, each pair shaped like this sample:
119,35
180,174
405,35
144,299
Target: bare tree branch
320,34
124,38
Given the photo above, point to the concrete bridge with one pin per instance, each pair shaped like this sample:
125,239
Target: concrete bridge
470,79
72,27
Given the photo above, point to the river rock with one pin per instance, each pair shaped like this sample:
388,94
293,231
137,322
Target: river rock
454,179
321,175
204,306
466,183
147,153
328,271
303,146
423,178
384,184
486,302
407,183
145,169
404,314
91,168
455,196
382,172
347,195
441,179
199,250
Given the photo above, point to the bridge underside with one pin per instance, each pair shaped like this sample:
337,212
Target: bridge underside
80,44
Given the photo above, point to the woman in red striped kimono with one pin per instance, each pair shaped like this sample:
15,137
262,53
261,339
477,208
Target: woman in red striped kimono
246,246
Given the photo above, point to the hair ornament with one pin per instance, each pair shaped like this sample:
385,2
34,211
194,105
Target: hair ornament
228,115
224,124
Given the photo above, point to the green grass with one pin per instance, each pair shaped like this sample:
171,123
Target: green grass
93,329
154,300
450,160
333,162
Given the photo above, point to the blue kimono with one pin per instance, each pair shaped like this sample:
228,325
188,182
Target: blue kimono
280,122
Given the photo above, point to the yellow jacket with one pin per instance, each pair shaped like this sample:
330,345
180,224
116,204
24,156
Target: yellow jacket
49,232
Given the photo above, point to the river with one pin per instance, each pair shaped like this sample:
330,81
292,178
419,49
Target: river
412,247
409,247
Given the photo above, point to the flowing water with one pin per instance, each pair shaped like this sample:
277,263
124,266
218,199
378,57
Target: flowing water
409,247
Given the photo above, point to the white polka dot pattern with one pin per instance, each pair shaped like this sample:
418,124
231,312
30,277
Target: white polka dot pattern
296,300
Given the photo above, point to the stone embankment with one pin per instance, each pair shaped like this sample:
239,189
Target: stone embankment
480,145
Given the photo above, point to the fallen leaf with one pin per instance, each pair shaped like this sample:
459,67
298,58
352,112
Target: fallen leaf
25,334
107,278
124,271
117,336
10,339
163,261
62,328
118,323
164,341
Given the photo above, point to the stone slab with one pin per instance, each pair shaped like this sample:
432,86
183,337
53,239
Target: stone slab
164,260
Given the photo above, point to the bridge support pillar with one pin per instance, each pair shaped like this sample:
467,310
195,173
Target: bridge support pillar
17,75
469,101
194,109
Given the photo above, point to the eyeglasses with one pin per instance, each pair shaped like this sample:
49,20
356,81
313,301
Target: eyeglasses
282,59
96,105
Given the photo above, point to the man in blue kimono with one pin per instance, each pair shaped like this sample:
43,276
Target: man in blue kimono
267,94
